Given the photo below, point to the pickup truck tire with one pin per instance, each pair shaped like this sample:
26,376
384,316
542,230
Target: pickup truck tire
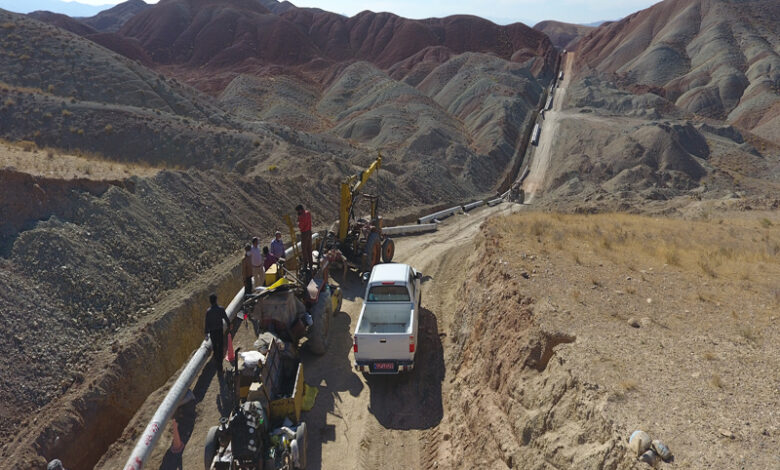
302,437
320,316
388,250
210,449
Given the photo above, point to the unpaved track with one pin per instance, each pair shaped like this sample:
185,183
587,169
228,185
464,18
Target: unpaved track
357,422
542,155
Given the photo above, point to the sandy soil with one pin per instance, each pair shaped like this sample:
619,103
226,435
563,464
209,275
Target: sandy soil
54,164
357,422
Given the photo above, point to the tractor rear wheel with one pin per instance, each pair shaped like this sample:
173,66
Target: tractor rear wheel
388,250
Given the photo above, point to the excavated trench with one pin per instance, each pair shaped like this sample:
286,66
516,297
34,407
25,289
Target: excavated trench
92,416
514,402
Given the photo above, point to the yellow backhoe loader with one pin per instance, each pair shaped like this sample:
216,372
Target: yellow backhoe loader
358,236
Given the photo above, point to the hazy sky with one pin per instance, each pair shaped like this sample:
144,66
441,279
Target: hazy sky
500,11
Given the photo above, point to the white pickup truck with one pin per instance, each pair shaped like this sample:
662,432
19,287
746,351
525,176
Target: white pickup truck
386,332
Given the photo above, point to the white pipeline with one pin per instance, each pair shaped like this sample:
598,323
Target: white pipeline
438,215
472,205
407,229
151,434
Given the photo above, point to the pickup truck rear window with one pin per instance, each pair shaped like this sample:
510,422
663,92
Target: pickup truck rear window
388,294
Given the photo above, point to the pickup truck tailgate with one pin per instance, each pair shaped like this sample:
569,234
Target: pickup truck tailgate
383,352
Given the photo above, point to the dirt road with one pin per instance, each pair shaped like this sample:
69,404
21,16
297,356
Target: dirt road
357,422
542,154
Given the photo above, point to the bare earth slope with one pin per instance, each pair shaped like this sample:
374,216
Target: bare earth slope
715,58
112,19
563,35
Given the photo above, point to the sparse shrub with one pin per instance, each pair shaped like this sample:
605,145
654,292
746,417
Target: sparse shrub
50,88
706,267
672,257
273,168
716,381
628,385
80,132
108,129
47,116
49,154
708,356
66,113
9,102
27,146
747,333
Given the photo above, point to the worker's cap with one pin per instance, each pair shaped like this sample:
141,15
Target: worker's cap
278,233
55,465
255,239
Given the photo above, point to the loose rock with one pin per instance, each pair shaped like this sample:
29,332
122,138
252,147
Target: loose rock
662,450
639,442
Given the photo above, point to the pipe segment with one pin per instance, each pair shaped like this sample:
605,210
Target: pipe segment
438,215
151,435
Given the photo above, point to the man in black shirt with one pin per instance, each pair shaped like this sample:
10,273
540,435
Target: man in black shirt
215,315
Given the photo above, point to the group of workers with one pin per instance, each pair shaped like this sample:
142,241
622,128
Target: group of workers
253,266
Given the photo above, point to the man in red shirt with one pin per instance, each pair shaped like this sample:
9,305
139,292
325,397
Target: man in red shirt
304,225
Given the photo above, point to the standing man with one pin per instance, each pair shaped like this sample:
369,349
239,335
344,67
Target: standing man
268,258
304,225
215,315
277,246
247,269
257,262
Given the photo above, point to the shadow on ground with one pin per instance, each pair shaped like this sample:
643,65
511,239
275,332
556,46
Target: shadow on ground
412,400
332,373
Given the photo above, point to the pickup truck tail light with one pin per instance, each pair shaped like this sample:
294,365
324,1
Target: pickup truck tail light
354,344
411,344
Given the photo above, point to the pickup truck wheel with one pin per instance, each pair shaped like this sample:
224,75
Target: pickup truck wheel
318,334
301,436
210,449
388,250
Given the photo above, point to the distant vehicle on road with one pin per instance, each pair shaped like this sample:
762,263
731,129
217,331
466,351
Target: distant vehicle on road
386,333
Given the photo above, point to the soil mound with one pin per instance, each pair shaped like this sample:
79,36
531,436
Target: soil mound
63,21
563,35
112,19
715,58
223,35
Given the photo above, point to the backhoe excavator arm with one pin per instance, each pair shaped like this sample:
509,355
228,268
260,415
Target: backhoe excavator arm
349,189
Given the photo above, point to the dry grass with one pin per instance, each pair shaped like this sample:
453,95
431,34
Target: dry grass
26,157
729,248
628,385
716,381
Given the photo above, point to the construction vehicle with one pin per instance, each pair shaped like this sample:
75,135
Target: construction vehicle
297,310
358,237
264,430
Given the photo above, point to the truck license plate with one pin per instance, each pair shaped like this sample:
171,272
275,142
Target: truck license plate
384,366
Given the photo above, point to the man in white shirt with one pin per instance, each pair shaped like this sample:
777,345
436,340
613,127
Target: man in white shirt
277,245
257,262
